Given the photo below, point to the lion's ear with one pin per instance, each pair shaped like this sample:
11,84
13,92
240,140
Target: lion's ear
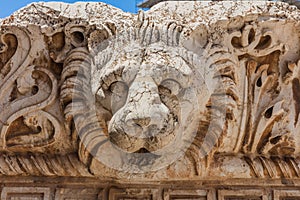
195,39
99,38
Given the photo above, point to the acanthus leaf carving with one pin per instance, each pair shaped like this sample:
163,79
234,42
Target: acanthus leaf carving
260,107
254,40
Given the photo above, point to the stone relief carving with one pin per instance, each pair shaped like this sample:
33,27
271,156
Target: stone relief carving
118,95
29,117
137,103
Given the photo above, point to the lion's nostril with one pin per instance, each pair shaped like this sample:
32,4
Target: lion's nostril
142,122
142,150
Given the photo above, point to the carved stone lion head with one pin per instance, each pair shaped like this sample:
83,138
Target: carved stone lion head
147,92
142,96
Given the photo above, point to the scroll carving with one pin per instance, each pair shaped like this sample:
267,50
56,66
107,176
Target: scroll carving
28,95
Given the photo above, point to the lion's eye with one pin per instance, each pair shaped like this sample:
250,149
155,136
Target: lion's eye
119,92
172,86
169,91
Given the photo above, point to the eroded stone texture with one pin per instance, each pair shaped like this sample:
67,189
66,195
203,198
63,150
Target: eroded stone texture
198,91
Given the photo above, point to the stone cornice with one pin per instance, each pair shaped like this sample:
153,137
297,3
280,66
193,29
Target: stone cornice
71,73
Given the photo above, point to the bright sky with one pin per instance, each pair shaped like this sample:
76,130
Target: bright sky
7,7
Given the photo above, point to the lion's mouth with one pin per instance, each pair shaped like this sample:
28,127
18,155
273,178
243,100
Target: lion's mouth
148,140
134,144
143,157
142,150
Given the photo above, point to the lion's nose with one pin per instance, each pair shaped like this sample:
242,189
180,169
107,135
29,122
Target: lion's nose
138,121
142,122
142,126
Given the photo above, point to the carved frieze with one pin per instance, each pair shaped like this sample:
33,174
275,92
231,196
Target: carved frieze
201,90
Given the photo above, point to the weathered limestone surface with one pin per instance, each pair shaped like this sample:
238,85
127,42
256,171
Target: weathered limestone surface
189,100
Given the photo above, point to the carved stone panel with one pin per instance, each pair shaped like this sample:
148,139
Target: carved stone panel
189,100
187,194
134,194
286,194
85,193
24,193
242,194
